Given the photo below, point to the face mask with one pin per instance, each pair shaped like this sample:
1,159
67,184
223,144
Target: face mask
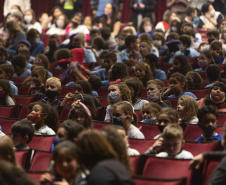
117,121
51,94
203,63
212,12
2,94
161,128
28,18
56,140
181,47
157,43
113,96
34,117
75,24
208,131
147,29
152,97
52,45
174,28
149,120
60,23
13,11
121,43
219,102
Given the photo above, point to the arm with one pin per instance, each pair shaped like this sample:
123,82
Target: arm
93,4
150,6
185,2
170,3
116,28
60,3
77,4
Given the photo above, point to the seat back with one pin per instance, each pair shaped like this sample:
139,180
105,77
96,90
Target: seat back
102,92
56,72
35,176
8,111
41,142
23,112
21,158
64,113
18,80
141,145
6,124
144,93
41,161
25,100
199,93
149,131
139,115
173,102
23,89
65,90
221,119
192,132
210,167
134,161
103,101
100,124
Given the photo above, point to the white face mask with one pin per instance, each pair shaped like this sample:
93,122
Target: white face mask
147,29
13,10
174,28
212,12
120,43
60,23
28,18
157,43
152,97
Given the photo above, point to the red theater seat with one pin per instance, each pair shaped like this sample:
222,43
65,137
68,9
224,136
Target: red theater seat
41,142
149,131
141,145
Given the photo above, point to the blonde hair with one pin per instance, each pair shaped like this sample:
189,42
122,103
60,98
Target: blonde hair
153,107
159,84
56,81
172,131
6,149
190,107
131,28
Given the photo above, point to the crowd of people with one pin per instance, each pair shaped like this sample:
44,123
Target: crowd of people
170,59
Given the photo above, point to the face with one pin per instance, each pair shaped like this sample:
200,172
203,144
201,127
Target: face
23,47
144,49
176,65
217,48
37,79
17,139
223,24
62,133
140,72
173,146
3,74
203,57
122,133
146,113
135,45
79,116
57,12
118,112
217,94
185,28
108,63
176,86
108,9
76,44
211,38
78,89
208,120
113,88
37,109
132,92
163,119
51,86
65,164
88,21
28,13
132,60
189,80
180,107
77,19
172,16
152,89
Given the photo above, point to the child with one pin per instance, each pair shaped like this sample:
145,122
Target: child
52,90
38,79
155,88
6,94
26,54
117,91
135,86
45,61
143,72
95,83
22,133
213,74
66,168
81,114
177,87
3,56
217,51
193,80
146,48
173,143
6,72
150,112
19,66
187,109
122,114
207,122
38,113
204,60
134,57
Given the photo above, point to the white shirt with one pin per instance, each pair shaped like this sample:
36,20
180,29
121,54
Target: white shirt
132,152
182,155
135,133
36,26
24,5
44,131
80,28
139,104
55,30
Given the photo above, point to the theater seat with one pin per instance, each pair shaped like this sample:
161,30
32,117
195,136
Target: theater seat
149,131
25,100
17,80
103,101
23,112
102,92
6,124
100,124
41,142
141,145
64,113
210,167
199,93
173,102
192,132
35,176
9,111
221,118
134,164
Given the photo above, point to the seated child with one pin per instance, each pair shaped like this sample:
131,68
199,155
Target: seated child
143,72
26,45
122,114
52,90
134,57
207,122
194,80
177,87
26,54
45,61
19,66
22,133
172,143
95,83
155,88
213,74
187,109
62,57
3,56
149,112
6,72
6,94
204,60
217,51
38,113
136,86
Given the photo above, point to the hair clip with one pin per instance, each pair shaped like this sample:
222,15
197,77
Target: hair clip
118,80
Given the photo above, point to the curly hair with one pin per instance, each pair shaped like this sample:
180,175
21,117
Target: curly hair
197,79
118,70
7,88
148,73
185,65
136,84
172,113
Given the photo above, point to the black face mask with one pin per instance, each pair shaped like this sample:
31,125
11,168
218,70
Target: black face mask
161,127
51,94
75,24
52,45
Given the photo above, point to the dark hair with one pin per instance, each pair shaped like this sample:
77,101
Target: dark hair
55,36
19,61
181,78
141,27
111,55
23,128
186,40
152,59
212,72
86,87
185,65
66,20
105,33
197,79
130,39
136,84
92,31
209,109
213,32
187,24
172,36
190,32
205,8
99,41
148,73
62,54
72,128
215,42
25,53
207,53
190,10
44,59
95,82
8,69
4,52
119,70
31,35
6,87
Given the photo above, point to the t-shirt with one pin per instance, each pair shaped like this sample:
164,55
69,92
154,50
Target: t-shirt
13,87
89,56
139,104
215,137
26,74
123,56
134,133
132,152
44,131
160,74
165,103
182,94
108,115
182,155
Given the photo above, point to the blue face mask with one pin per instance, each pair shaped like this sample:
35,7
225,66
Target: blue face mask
56,140
117,121
113,96
150,120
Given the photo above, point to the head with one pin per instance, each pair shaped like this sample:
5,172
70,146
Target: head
205,59
193,80
19,64
82,87
212,72
158,39
24,45
77,19
6,71
6,150
145,48
95,82
216,46
152,61
118,71
131,42
39,75
42,59
175,25
61,21
22,133
173,139
207,116
129,30
38,112
78,41
65,160
167,116
143,72
62,54
54,41
168,16
12,28
155,88
56,11
178,83
53,87
135,86
5,90
98,43
145,37
145,25
187,108
181,64
109,60
88,21
29,16
3,55
186,26
212,35
150,110
191,12
185,42
134,57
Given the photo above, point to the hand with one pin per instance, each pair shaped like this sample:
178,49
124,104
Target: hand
94,13
208,16
135,6
63,182
62,1
197,161
214,53
170,70
142,6
69,96
169,90
158,145
46,179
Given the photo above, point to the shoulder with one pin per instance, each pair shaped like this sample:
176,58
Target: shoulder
49,131
184,155
162,154
135,133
